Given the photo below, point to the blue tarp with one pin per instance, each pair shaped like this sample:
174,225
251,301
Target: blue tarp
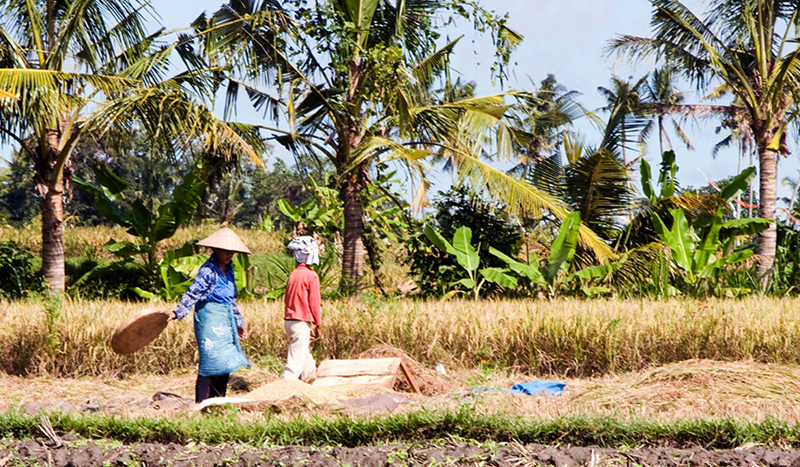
532,388
535,387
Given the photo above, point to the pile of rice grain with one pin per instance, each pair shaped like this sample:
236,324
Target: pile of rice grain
283,389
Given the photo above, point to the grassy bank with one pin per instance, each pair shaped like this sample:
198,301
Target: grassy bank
422,425
565,337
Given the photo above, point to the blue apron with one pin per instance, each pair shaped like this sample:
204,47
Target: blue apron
217,340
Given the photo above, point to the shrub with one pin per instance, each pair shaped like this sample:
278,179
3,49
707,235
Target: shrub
18,275
434,270
787,260
117,280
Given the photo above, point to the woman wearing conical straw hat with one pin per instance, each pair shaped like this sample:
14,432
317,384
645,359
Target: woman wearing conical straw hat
218,325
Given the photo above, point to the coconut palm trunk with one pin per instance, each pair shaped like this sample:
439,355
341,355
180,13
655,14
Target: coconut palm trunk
50,184
768,185
353,248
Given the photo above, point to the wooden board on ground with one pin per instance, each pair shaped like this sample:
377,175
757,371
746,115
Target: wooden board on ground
386,381
366,371
364,366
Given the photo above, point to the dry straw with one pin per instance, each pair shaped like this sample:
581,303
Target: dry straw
567,338
689,390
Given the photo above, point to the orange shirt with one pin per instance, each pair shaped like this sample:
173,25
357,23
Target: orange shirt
302,299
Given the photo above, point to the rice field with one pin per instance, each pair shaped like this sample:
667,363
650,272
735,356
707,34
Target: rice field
649,360
569,338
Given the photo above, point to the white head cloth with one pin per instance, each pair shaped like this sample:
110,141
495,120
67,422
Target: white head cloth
305,250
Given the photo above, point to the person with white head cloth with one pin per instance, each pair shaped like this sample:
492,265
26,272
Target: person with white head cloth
302,310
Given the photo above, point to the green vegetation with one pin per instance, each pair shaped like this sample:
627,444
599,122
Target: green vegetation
370,99
421,425
18,276
467,257
433,268
504,274
742,50
83,70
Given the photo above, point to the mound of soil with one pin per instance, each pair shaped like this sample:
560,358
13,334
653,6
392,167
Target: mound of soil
92,453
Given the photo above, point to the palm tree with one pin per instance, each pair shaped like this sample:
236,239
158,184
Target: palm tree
358,87
547,115
627,122
45,41
593,183
747,48
660,91
79,66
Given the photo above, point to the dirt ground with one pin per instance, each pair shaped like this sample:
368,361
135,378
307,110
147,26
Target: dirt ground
692,389
34,452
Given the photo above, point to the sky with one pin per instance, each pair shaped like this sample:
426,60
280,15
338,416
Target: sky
566,38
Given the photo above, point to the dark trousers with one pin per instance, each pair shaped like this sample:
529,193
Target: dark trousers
210,386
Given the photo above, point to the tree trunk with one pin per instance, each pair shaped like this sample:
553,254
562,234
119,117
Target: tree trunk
50,184
374,255
352,185
768,176
353,248
53,240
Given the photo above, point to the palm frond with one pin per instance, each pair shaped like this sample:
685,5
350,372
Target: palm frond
99,30
38,81
520,197
598,187
679,130
424,71
17,53
548,175
170,116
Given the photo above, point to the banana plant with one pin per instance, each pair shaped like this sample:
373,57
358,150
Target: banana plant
661,199
150,228
322,213
554,273
562,250
705,254
468,258
266,224
178,267
666,178
177,271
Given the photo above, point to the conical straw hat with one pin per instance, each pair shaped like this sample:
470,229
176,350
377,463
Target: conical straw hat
225,239
139,330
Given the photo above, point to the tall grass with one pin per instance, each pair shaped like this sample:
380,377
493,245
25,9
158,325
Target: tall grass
571,338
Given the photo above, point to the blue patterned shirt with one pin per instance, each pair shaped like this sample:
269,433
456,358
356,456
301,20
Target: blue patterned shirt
211,286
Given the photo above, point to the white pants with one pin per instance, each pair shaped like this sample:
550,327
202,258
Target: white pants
299,361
